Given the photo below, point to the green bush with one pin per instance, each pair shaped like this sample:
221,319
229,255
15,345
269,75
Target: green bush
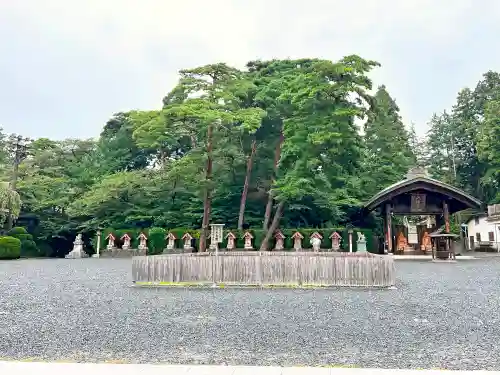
17,230
29,249
156,240
10,247
23,237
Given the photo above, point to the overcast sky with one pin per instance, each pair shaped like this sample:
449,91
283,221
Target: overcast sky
67,65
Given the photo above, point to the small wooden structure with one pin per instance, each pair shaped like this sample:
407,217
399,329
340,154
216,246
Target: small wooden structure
247,237
111,241
188,239
170,237
336,238
419,195
126,241
231,241
297,238
280,241
442,247
143,246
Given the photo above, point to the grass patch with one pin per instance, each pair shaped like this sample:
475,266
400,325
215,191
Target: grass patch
191,284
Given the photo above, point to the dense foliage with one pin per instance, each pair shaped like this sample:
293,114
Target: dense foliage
282,143
10,247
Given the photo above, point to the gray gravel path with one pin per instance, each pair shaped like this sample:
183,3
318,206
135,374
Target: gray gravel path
441,316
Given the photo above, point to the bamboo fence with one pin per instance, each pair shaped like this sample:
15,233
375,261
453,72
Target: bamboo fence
266,268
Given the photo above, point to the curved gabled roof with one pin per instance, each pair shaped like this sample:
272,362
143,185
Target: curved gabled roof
417,182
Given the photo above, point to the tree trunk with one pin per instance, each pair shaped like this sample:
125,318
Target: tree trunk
207,199
13,185
244,194
273,227
270,198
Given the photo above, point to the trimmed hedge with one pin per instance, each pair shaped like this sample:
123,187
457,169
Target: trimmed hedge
17,230
29,247
10,247
157,243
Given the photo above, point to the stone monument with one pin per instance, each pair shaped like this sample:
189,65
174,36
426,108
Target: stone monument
77,251
361,243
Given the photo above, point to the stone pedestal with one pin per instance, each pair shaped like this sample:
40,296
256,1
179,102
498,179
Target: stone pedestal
361,247
77,251
120,253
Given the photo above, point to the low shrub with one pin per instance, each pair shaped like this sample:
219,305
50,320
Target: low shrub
17,230
10,247
156,240
29,249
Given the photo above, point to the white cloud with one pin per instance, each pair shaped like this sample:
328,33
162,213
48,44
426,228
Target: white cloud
149,40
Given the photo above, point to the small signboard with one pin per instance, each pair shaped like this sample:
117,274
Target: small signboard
412,234
418,202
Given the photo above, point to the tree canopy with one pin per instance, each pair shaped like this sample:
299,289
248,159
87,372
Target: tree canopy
289,143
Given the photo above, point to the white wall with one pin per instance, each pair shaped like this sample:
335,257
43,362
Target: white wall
484,227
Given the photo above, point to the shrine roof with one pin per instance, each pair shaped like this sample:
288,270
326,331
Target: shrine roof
420,181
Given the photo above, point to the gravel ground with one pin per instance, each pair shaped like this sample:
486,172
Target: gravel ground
441,316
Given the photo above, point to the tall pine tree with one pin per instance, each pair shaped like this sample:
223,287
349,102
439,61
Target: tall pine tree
388,153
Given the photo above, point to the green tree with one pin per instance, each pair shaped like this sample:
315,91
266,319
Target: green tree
388,152
489,149
322,148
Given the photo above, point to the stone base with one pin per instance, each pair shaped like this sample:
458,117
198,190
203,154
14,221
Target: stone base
77,254
120,253
95,256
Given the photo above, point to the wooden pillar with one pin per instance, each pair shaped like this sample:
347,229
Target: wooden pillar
446,216
388,221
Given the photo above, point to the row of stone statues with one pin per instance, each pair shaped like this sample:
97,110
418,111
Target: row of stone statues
315,240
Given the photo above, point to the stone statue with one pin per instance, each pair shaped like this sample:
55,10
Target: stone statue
426,242
77,251
316,244
402,243
361,243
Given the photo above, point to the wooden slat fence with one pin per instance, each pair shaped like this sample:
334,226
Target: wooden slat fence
267,268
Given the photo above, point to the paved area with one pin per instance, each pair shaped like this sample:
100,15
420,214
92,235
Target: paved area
127,369
443,315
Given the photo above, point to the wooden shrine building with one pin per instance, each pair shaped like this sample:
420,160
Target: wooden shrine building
429,201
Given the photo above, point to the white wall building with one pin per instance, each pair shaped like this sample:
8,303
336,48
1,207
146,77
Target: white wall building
484,229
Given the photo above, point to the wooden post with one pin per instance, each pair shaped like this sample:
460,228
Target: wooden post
446,215
388,221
